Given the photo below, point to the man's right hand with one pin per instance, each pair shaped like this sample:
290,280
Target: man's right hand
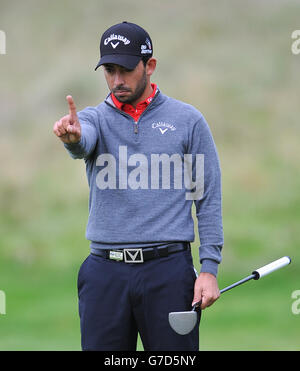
68,128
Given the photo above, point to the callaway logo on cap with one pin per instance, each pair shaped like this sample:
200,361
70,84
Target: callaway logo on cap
124,44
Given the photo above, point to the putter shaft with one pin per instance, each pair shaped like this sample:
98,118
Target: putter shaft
252,276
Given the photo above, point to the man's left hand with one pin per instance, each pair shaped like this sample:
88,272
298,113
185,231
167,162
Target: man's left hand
206,289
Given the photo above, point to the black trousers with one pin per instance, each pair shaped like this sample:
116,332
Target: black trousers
118,300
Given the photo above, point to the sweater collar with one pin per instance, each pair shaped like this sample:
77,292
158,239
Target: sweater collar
157,99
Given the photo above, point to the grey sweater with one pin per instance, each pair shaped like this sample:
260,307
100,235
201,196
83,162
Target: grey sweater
144,177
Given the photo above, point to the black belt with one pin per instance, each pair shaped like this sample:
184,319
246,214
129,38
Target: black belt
140,255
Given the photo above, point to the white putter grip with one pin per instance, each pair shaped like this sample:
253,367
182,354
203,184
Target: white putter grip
269,268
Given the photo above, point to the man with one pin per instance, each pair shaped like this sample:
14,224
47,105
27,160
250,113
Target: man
143,151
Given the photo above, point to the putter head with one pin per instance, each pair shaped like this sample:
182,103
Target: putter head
183,322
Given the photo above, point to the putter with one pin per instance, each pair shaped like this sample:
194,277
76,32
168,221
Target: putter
184,322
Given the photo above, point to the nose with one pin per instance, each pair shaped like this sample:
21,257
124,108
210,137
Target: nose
118,78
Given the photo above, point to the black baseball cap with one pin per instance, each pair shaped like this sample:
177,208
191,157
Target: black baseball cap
124,44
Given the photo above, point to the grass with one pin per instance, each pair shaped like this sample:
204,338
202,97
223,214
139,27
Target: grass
41,308
235,65
42,312
258,317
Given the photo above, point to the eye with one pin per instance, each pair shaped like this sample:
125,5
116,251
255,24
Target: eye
111,68
108,68
126,70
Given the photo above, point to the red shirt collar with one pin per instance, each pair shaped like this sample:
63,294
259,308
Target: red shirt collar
141,106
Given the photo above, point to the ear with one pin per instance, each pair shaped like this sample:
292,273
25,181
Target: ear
150,66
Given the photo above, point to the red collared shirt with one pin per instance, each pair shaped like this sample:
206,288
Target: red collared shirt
135,113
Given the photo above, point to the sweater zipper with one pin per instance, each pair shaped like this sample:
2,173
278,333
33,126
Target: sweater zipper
136,126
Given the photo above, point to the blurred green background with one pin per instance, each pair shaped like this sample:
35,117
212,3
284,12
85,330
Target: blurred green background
230,59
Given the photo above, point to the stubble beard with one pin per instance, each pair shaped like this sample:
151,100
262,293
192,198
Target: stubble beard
136,94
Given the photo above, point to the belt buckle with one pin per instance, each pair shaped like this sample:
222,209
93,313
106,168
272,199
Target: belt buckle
133,256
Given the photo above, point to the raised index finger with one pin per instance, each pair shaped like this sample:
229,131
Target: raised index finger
72,107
